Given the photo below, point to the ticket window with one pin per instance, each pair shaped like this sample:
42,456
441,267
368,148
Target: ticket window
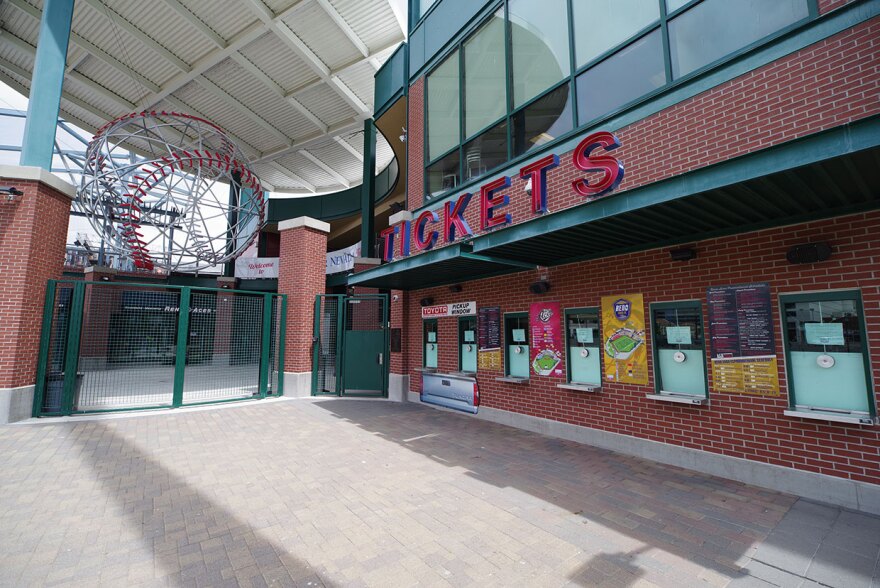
827,356
467,344
583,345
516,338
679,349
430,338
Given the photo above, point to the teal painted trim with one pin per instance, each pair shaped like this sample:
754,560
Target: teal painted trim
839,141
180,355
433,256
44,102
43,357
505,344
282,340
342,204
368,192
71,360
340,279
425,324
749,59
391,80
855,295
566,312
266,345
501,260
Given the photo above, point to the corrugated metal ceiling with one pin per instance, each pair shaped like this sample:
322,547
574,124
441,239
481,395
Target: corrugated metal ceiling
278,104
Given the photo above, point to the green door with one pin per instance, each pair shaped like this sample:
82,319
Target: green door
365,346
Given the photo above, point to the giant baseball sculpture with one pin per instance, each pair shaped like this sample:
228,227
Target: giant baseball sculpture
169,206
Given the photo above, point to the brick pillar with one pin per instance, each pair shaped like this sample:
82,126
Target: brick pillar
301,275
398,377
362,264
98,306
33,233
223,315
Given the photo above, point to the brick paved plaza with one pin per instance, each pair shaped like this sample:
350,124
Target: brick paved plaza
354,493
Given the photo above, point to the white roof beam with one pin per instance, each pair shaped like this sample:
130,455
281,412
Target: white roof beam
255,71
77,62
347,146
299,180
230,101
242,39
344,27
249,150
197,23
344,127
139,34
333,173
348,95
89,47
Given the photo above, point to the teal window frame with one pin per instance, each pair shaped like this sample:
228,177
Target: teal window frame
854,295
461,321
655,351
581,310
425,323
507,316
571,80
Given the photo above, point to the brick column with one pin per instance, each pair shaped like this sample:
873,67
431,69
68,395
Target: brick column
33,233
398,377
98,307
223,315
301,275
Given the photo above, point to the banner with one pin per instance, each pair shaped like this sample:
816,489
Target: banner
454,309
255,268
342,260
546,347
623,336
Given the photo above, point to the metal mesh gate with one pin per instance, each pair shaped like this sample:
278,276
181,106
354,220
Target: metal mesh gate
327,342
115,346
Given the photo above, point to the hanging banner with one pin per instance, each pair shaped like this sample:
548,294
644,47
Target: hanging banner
546,347
454,309
256,268
623,335
743,350
342,260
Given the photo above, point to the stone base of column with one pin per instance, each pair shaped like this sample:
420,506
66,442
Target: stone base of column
398,386
16,404
298,384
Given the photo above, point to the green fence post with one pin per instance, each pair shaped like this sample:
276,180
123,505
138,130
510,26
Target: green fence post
282,332
265,346
180,357
71,361
341,317
316,342
43,358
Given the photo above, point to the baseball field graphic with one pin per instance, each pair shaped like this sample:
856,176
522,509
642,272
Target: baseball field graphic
623,334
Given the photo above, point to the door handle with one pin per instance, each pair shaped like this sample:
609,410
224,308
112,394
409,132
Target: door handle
380,358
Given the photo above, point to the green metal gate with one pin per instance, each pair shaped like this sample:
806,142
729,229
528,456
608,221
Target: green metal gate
350,352
109,346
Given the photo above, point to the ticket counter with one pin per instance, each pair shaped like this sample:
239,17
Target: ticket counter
430,343
679,350
467,344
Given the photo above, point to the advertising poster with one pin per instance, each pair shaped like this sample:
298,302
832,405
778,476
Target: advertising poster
546,347
743,350
623,338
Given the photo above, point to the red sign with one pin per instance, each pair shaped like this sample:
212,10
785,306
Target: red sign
425,231
546,347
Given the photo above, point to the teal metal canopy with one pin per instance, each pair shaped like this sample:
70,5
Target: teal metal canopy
827,174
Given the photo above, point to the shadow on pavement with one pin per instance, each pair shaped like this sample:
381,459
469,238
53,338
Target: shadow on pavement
684,525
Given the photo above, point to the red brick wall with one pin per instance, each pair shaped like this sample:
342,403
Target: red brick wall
301,275
415,145
398,363
829,5
828,84
33,232
736,425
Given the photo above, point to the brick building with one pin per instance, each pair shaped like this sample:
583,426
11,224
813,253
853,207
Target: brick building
710,167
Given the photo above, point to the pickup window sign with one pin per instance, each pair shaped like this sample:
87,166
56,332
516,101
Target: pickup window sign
453,309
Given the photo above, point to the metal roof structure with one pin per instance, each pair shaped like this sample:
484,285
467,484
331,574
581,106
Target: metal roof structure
291,80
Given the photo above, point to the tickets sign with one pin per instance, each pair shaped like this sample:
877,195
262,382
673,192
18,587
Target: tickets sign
453,309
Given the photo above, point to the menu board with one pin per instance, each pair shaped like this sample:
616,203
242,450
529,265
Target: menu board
740,320
489,359
489,327
743,349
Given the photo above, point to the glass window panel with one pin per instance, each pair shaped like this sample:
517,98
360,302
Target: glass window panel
485,152
600,25
484,76
602,88
673,5
539,44
543,120
443,108
715,28
443,174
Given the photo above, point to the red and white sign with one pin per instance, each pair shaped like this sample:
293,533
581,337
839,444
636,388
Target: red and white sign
255,268
454,309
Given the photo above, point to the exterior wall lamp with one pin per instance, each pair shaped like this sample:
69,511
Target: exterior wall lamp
12,193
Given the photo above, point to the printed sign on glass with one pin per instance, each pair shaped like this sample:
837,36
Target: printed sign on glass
623,336
546,347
